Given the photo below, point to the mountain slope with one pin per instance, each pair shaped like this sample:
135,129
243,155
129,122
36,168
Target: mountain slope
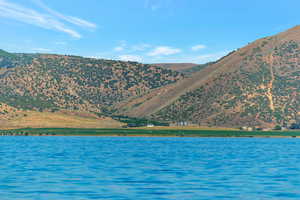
63,119
258,85
159,98
55,82
180,67
186,68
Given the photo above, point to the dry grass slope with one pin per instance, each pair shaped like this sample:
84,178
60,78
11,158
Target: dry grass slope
33,119
180,67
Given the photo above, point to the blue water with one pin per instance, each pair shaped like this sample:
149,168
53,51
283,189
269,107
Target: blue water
83,168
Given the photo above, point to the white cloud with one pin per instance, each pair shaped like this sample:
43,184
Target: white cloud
198,47
79,22
140,47
156,5
41,50
60,43
135,58
153,5
164,51
100,57
119,48
73,20
205,58
200,59
130,49
51,20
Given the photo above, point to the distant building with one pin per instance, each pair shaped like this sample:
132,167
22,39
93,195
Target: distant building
246,128
183,123
250,129
267,129
150,125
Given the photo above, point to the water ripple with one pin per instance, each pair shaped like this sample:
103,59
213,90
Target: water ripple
83,168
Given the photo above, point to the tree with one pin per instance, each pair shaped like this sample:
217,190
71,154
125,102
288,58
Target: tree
295,126
277,128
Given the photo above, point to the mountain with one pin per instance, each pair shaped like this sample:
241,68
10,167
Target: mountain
185,68
180,67
52,83
257,85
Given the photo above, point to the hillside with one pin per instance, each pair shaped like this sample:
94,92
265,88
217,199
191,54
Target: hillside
11,118
257,85
54,82
180,67
51,83
185,68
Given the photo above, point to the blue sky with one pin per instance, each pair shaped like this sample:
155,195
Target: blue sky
148,31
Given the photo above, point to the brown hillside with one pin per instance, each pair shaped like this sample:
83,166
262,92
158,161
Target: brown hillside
159,98
55,82
257,85
180,67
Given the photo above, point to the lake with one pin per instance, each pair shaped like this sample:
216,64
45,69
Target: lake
121,168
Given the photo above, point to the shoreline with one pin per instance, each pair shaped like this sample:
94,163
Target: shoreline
153,136
148,133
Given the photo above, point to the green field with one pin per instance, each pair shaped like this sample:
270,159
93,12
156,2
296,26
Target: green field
145,132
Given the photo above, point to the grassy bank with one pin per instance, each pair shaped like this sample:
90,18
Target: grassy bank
148,132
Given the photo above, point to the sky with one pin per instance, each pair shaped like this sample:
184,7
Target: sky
147,31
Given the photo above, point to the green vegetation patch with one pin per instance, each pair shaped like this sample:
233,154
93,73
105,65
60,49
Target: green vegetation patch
148,132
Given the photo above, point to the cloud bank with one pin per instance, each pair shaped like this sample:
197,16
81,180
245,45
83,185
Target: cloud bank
164,51
198,47
134,58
